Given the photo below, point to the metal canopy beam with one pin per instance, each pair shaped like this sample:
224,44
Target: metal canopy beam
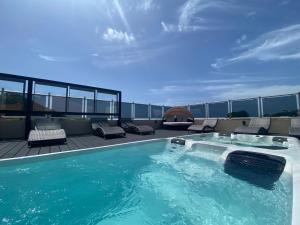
28,98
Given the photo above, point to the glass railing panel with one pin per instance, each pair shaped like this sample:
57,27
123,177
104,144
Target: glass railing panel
156,112
198,110
75,105
218,109
58,104
280,106
141,111
245,108
126,110
89,105
11,101
103,106
39,103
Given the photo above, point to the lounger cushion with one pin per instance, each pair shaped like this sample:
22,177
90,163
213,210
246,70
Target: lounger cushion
144,129
177,123
113,131
45,125
107,130
210,123
196,128
250,130
46,135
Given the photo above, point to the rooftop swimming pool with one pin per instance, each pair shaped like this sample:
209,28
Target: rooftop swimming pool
151,182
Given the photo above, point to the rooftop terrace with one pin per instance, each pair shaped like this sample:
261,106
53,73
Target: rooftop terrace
29,98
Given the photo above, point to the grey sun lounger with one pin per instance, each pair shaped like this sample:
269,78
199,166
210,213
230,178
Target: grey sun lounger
105,130
46,132
256,126
294,130
208,125
130,127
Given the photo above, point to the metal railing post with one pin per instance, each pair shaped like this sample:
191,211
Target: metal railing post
298,102
261,107
48,102
2,99
149,111
84,107
67,98
28,109
119,108
229,106
133,110
206,110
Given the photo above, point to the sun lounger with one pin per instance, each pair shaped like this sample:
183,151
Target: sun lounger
103,129
46,132
208,125
130,127
256,126
294,130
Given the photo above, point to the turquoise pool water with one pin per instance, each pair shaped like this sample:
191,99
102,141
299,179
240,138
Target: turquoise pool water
146,183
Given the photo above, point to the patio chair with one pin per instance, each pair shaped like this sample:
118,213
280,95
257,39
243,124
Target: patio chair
130,127
46,132
208,125
104,129
256,126
294,130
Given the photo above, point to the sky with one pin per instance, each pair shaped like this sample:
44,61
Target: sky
170,52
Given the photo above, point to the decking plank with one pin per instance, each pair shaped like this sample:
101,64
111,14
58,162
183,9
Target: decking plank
23,151
44,150
10,149
19,148
54,148
33,151
64,148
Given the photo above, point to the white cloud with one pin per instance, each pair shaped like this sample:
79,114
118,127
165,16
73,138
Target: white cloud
251,91
241,39
285,2
147,5
112,56
251,14
199,91
119,36
48,58
169,27
191,20
57,58
281,44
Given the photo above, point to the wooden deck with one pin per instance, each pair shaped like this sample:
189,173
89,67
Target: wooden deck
19,148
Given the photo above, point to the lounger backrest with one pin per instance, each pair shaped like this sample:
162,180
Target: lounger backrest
47,125
130,124
210,123
295,122
103,123
260,122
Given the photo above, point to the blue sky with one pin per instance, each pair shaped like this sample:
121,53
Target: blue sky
168,52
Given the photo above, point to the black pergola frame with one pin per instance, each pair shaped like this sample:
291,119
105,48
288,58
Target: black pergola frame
28,111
